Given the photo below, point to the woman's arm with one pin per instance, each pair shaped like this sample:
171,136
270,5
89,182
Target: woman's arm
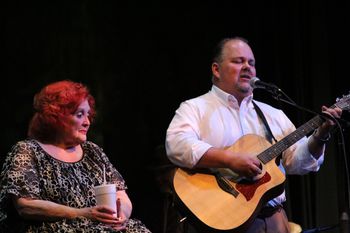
42,210
49,211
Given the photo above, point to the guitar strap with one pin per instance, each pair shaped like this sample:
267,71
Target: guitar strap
262,117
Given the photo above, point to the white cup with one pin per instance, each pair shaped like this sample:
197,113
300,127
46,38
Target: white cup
106,194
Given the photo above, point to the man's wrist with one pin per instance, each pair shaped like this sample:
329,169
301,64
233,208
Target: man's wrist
321,140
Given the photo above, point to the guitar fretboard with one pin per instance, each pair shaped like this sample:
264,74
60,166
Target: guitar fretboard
289,140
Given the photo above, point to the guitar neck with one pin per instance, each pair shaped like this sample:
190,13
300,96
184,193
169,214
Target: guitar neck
289,140
300,132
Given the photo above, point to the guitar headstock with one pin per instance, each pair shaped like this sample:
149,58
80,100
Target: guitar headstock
343,103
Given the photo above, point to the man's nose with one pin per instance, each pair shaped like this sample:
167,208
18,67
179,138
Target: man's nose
246,65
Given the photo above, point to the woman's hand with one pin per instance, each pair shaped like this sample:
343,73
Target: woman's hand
108,216
100,213
121,222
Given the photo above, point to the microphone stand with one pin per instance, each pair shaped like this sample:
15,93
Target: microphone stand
277,94
320,229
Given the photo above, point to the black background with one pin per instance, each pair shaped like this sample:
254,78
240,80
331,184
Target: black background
140,60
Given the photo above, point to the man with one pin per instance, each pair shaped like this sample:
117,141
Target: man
202,127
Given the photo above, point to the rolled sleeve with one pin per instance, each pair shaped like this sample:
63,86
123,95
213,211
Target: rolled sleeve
183,144
186,156
303,161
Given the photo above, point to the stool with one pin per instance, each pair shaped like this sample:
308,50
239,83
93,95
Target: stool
295,228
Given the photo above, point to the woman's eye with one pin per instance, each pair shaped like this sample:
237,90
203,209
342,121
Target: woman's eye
79,114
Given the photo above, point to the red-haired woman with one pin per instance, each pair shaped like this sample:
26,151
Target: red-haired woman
50,176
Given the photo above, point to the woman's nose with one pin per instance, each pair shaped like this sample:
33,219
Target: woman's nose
86,121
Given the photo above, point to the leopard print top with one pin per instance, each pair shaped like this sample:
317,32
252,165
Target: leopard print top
29,171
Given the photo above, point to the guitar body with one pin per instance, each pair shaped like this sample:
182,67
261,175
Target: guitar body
220,210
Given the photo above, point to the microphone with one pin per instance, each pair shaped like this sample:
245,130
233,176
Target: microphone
256,83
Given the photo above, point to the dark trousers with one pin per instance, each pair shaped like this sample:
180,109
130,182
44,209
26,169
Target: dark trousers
270,220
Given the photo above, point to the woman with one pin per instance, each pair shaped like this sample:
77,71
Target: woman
49,177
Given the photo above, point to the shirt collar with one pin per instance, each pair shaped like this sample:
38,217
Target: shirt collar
230,99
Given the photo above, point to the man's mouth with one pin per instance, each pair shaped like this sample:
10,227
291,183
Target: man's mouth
246,76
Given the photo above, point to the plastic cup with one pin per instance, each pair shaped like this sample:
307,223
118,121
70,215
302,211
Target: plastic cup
106,194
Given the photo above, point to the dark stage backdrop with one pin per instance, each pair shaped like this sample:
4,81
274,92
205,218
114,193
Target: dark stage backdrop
140,61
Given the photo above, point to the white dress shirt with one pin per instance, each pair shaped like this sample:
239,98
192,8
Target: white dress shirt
216,120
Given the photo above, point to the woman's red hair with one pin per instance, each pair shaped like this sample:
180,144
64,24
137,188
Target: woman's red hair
54,105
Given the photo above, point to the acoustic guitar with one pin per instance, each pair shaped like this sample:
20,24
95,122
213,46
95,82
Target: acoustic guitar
221,199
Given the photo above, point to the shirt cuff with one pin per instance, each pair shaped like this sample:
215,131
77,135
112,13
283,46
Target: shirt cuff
307,161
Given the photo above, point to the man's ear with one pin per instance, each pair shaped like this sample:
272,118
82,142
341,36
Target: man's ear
215,70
